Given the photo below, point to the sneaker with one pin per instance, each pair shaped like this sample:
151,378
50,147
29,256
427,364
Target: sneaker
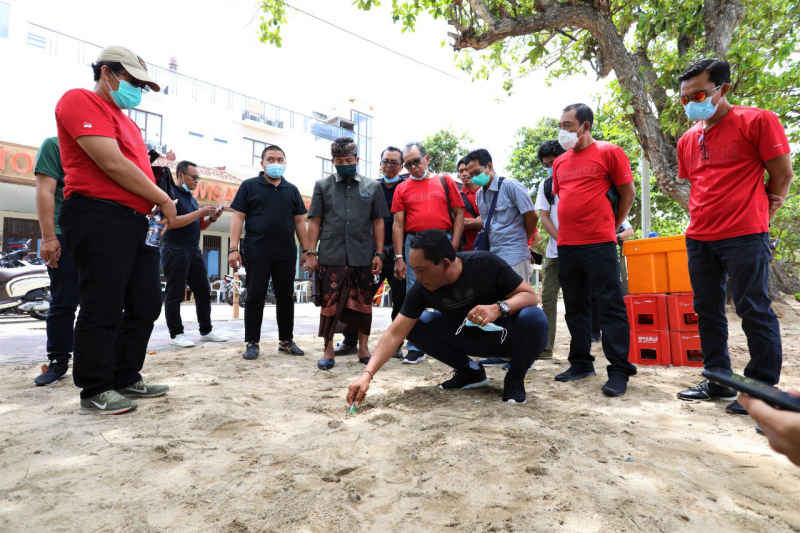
735,408
54,371
413,357
213,337
466,379
182,341
251,352
493,361
705,390
326,364
141,389
514,390
616,385
574,374
291,348
109,402
345,348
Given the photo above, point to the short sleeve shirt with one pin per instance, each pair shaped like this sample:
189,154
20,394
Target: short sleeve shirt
507,235
269,217
725,166
542,204
48,163
425,204
80,113
581,180
470,234
189,235
347,209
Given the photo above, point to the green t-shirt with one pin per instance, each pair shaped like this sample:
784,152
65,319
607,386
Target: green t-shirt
48,162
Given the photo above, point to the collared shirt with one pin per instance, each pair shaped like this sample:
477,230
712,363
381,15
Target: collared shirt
507,235
346,209
470,234
425,204
48,163
189,235
269,211
388,193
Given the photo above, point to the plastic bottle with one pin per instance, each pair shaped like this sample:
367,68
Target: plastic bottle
154,231
652,234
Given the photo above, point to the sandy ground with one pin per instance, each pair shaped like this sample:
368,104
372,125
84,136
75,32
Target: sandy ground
267,446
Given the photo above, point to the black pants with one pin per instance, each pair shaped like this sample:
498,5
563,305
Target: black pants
63,303
119,292
397,292
259,272
745,260
591,272
182,265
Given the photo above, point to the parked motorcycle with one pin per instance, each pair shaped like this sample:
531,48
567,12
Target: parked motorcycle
24,286
231,285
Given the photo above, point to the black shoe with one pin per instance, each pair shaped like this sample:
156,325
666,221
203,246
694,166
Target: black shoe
413,357
573,374
326,364
345,348
705,390
291,348
364,360
493,361
466,379
55,371
514,390
251,352
735,408
616,385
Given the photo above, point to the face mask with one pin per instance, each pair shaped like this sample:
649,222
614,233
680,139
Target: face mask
700,110
346,171
126,96
550,171
185,188
274,170
567,139
393,180
481,179
419,179
488,327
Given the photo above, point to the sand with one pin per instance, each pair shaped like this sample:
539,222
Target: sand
267,445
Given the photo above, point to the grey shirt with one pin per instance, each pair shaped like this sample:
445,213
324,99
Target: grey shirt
347,209
507,236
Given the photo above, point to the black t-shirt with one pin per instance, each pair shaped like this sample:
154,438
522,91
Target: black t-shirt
388,193
269,217
187,236
485,279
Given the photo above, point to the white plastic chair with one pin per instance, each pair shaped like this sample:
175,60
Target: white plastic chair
216,289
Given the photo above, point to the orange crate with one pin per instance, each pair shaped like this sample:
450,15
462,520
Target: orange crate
647,311
686,349
680,307
657,265
649,347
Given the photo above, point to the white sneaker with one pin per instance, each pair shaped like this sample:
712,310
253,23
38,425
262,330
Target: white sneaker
213,337
182,341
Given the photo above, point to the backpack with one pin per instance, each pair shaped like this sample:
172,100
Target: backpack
548,190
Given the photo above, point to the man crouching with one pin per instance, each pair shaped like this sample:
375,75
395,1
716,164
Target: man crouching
481,307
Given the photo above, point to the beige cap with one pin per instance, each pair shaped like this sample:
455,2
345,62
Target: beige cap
133,64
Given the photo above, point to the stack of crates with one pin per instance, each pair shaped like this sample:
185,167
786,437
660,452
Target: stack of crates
660,309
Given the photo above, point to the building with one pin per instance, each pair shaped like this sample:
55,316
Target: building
220,129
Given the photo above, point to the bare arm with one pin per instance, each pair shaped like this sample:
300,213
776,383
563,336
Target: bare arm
188,218
237,221
626,193
521,297
531,219
312,232
473,223
458,226
46,205
547,222
780,178
398,227
302,231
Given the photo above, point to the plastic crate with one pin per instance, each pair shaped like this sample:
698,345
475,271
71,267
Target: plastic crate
686,349
680,308
647,311
650,347
657,265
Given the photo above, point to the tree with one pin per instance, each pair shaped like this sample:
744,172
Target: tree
445,149
524,164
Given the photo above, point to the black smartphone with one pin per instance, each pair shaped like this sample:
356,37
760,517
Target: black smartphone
752,387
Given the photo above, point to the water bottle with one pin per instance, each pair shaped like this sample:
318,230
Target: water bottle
652,234
154,231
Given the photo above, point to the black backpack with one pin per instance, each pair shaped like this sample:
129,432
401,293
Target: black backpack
548,190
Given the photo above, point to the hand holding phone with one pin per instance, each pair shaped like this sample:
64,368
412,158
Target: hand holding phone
757,389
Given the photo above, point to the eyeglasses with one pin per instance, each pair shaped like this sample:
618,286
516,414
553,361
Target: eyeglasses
411,164
390,163
136,83
699,96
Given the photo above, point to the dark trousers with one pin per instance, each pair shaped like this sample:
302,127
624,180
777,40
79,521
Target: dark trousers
63,303
182,266
435,334
120,293
591,272
745,260
397,292
259,271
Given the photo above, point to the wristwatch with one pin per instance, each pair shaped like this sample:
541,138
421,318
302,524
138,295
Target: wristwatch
504,309
379,254
398,256
310,252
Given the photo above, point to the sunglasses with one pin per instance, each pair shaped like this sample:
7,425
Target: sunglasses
699,96
136,83
411,164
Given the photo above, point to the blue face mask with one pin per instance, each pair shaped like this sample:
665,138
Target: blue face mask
549,171
275,170
487,327
185,188
393,180
481,179
127,96
420,178
700,110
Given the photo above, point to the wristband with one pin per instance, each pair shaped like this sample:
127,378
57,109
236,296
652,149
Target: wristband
233,252
398,256
310,252
379,255
371,375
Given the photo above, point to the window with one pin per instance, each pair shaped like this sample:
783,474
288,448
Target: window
362,126
4,11
253,149
327,167
150,124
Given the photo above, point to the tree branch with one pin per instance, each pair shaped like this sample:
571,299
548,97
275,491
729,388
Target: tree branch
721,17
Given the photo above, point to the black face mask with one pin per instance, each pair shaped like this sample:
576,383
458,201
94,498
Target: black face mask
346,171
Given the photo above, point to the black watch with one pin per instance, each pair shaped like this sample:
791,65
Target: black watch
379,254
504,308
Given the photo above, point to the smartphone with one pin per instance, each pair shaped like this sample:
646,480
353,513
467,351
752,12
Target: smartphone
752,387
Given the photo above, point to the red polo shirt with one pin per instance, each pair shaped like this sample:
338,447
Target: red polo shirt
81,112
581,181
470,234
425,204
725,165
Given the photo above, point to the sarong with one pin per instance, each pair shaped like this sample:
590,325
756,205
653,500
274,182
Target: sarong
345,294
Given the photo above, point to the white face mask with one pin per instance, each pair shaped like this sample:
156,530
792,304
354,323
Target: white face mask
567,139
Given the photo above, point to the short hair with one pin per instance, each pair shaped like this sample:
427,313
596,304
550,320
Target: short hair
344,146
549,148
115,66
272,148
481,155
182,166
393,149
418,145
719,71
462,161
435,245
583,113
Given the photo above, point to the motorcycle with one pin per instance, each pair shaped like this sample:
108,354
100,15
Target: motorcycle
231,285
24,285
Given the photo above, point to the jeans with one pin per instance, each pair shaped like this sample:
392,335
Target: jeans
434,333
397,292
63,303
591,272
182,265
745,260
550,288
120,292
259,271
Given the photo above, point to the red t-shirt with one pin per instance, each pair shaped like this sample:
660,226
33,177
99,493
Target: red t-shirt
581,181
81,112
728,197
470,234
425,204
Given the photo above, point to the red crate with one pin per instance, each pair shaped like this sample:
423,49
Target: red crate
686,350
647,311
680,307
650,347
